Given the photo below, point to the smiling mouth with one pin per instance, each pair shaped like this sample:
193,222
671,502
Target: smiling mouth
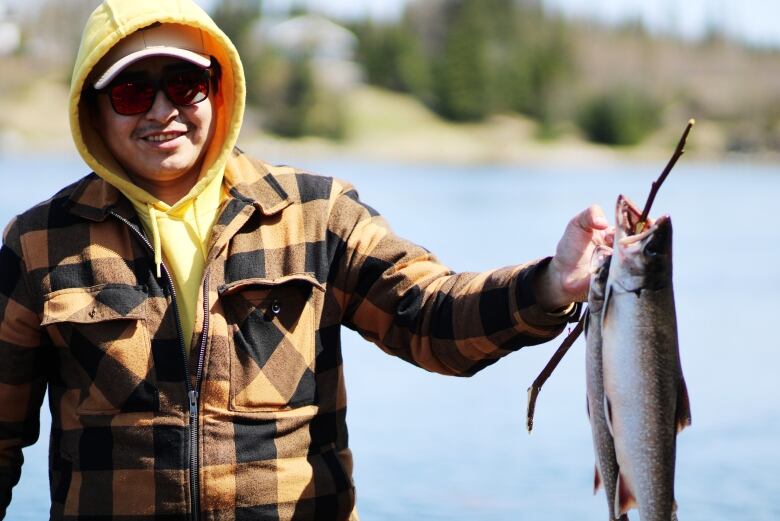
161,138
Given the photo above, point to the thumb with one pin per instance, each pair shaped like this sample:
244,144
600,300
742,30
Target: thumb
591,219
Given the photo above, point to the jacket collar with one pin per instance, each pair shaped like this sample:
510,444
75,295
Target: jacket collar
247,180
93,199
251,181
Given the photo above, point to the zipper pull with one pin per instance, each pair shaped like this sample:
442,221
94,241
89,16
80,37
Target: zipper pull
193,396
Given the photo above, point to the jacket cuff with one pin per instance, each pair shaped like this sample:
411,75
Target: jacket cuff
529,310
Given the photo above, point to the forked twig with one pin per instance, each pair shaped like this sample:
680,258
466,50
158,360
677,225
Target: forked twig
679,151
533,391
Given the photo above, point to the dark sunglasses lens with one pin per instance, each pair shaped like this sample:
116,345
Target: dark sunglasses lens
187,87
132,97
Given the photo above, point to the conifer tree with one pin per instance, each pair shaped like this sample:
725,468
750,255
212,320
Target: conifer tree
460,73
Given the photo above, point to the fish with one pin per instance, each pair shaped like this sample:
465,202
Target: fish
606,467
645,396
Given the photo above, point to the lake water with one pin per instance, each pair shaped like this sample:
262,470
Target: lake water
436,448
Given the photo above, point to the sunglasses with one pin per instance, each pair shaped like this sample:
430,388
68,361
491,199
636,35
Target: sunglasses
132,96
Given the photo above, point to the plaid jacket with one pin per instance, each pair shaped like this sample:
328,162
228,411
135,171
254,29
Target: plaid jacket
252,424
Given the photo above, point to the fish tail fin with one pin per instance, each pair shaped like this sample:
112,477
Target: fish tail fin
683,405
624,496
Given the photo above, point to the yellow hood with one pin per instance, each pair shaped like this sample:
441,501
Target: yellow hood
112,21
180,233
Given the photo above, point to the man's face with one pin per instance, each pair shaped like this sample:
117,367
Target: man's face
163,147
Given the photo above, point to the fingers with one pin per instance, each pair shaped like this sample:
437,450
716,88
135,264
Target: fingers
592,219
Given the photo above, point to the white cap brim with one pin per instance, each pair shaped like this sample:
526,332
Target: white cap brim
173,40
173,52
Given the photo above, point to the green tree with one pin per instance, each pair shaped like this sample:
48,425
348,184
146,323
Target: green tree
392,57
289,107
460,72
294,105
483,57
534,61
622,116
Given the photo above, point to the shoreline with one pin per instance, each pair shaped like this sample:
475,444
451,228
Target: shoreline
388,127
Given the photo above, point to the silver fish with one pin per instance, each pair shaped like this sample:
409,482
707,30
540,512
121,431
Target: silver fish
646,399
606,471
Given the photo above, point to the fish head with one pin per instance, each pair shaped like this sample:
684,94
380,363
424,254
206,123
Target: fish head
643,260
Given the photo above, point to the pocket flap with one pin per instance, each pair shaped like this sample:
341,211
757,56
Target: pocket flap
95,304
260,283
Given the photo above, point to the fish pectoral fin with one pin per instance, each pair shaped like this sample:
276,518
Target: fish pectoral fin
605,305
608,415
683,405
596,479
624,496
586,321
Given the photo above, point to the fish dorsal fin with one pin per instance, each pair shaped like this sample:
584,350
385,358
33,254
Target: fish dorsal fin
596,479
624,496
683,405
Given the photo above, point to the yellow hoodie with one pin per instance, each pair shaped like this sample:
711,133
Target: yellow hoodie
179,233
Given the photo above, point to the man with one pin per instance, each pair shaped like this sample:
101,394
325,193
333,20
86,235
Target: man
183,303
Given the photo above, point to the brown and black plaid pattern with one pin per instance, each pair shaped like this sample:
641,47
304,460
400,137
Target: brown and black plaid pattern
293,258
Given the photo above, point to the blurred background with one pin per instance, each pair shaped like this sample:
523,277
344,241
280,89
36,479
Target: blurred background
478,128
454,80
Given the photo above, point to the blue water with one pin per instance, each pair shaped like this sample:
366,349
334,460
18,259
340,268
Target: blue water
438,448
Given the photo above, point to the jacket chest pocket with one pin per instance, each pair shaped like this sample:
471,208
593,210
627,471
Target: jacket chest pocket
272,357
105,349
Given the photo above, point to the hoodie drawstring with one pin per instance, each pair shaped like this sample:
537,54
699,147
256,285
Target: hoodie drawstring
199,227
156,243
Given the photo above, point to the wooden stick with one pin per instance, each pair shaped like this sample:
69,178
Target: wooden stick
679,151
533,391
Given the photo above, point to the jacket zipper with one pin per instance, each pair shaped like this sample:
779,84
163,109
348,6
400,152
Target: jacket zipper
193,393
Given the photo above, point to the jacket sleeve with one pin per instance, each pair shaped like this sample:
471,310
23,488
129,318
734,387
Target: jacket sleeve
22,381
399,296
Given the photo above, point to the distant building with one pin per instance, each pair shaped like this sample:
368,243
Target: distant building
331,47
10,34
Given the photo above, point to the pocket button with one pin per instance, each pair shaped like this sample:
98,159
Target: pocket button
273,310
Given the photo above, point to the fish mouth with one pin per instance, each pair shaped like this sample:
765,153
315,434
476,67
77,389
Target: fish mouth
627,215
656,233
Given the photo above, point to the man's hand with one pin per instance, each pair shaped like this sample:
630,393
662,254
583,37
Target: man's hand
567,278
